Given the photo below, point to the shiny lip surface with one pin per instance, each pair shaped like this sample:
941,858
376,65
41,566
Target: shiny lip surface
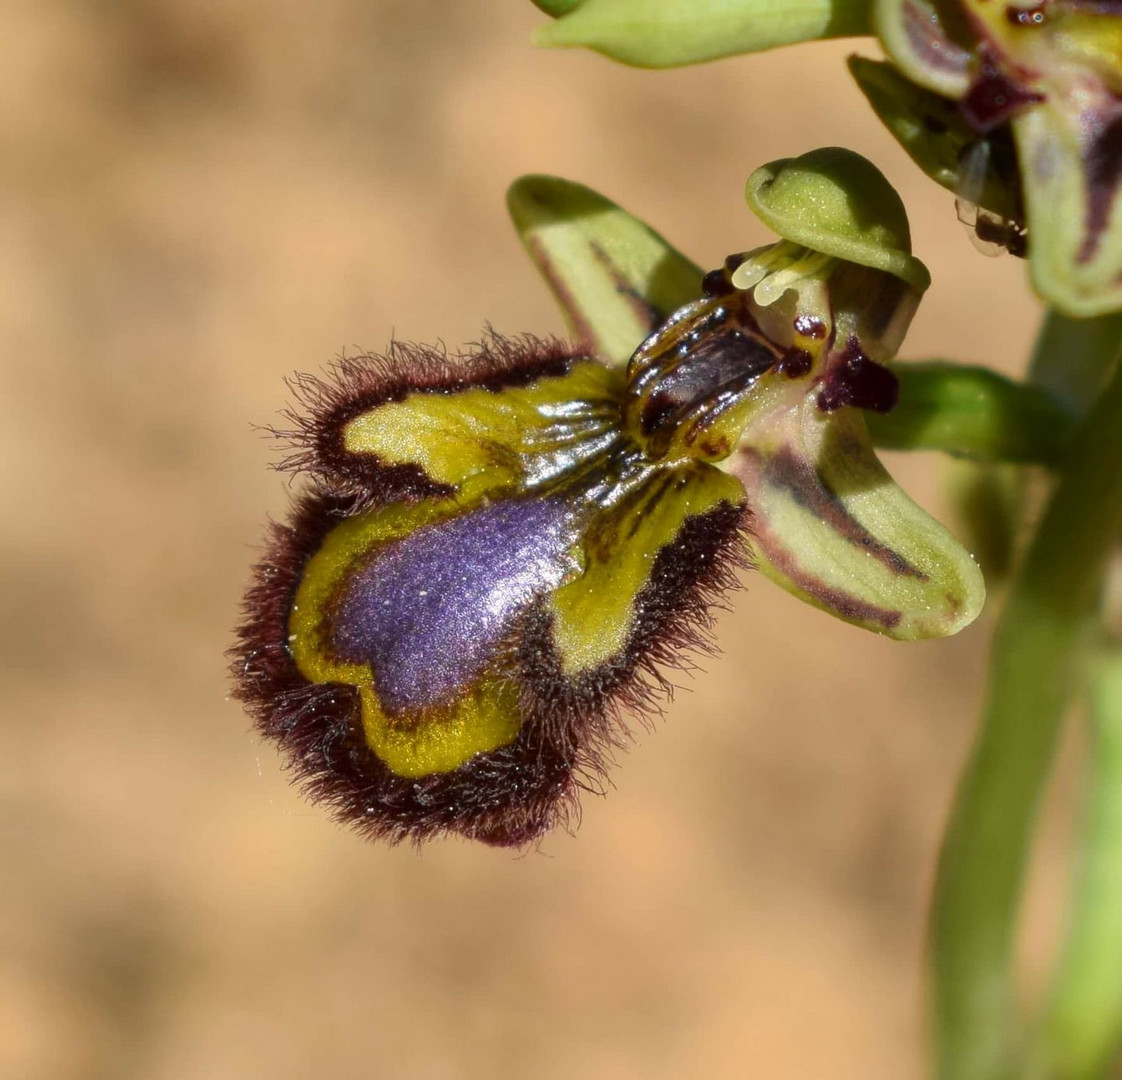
426,612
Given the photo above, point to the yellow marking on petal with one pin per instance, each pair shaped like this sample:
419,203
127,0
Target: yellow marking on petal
594,614
443,738
453,436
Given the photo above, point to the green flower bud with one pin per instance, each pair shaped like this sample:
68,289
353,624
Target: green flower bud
670,33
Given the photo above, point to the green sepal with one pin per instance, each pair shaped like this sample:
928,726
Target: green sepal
671,33
832,527
1075,253
835,201
614,277
936,136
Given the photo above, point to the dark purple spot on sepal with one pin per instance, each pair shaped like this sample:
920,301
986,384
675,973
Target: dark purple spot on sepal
994,96
853,379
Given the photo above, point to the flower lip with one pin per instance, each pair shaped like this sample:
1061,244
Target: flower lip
421,655
507,798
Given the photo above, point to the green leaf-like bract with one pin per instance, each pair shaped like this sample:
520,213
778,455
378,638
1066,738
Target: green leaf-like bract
670,33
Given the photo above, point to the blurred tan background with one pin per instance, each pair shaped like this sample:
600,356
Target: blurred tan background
198,197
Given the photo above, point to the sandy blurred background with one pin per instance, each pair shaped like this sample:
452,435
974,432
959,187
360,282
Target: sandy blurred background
198,197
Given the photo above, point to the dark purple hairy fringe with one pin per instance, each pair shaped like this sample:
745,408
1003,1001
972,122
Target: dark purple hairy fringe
356,384
511,796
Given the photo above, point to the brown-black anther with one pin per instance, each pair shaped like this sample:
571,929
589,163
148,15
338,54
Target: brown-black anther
717,283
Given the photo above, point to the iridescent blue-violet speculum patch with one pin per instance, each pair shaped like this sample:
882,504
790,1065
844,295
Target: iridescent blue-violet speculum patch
499,552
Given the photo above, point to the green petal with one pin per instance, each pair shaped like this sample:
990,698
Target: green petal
1074,215
835,201
936,136
833,528
669,33
615,278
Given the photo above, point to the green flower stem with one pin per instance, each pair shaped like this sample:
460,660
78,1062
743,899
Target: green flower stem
1072,356
1035,649
975,413
1083,1027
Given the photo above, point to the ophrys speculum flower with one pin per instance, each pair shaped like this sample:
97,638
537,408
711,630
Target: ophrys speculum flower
502,549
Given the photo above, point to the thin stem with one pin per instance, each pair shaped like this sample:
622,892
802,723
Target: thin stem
1083,1026
1072,357
975,413
982,867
